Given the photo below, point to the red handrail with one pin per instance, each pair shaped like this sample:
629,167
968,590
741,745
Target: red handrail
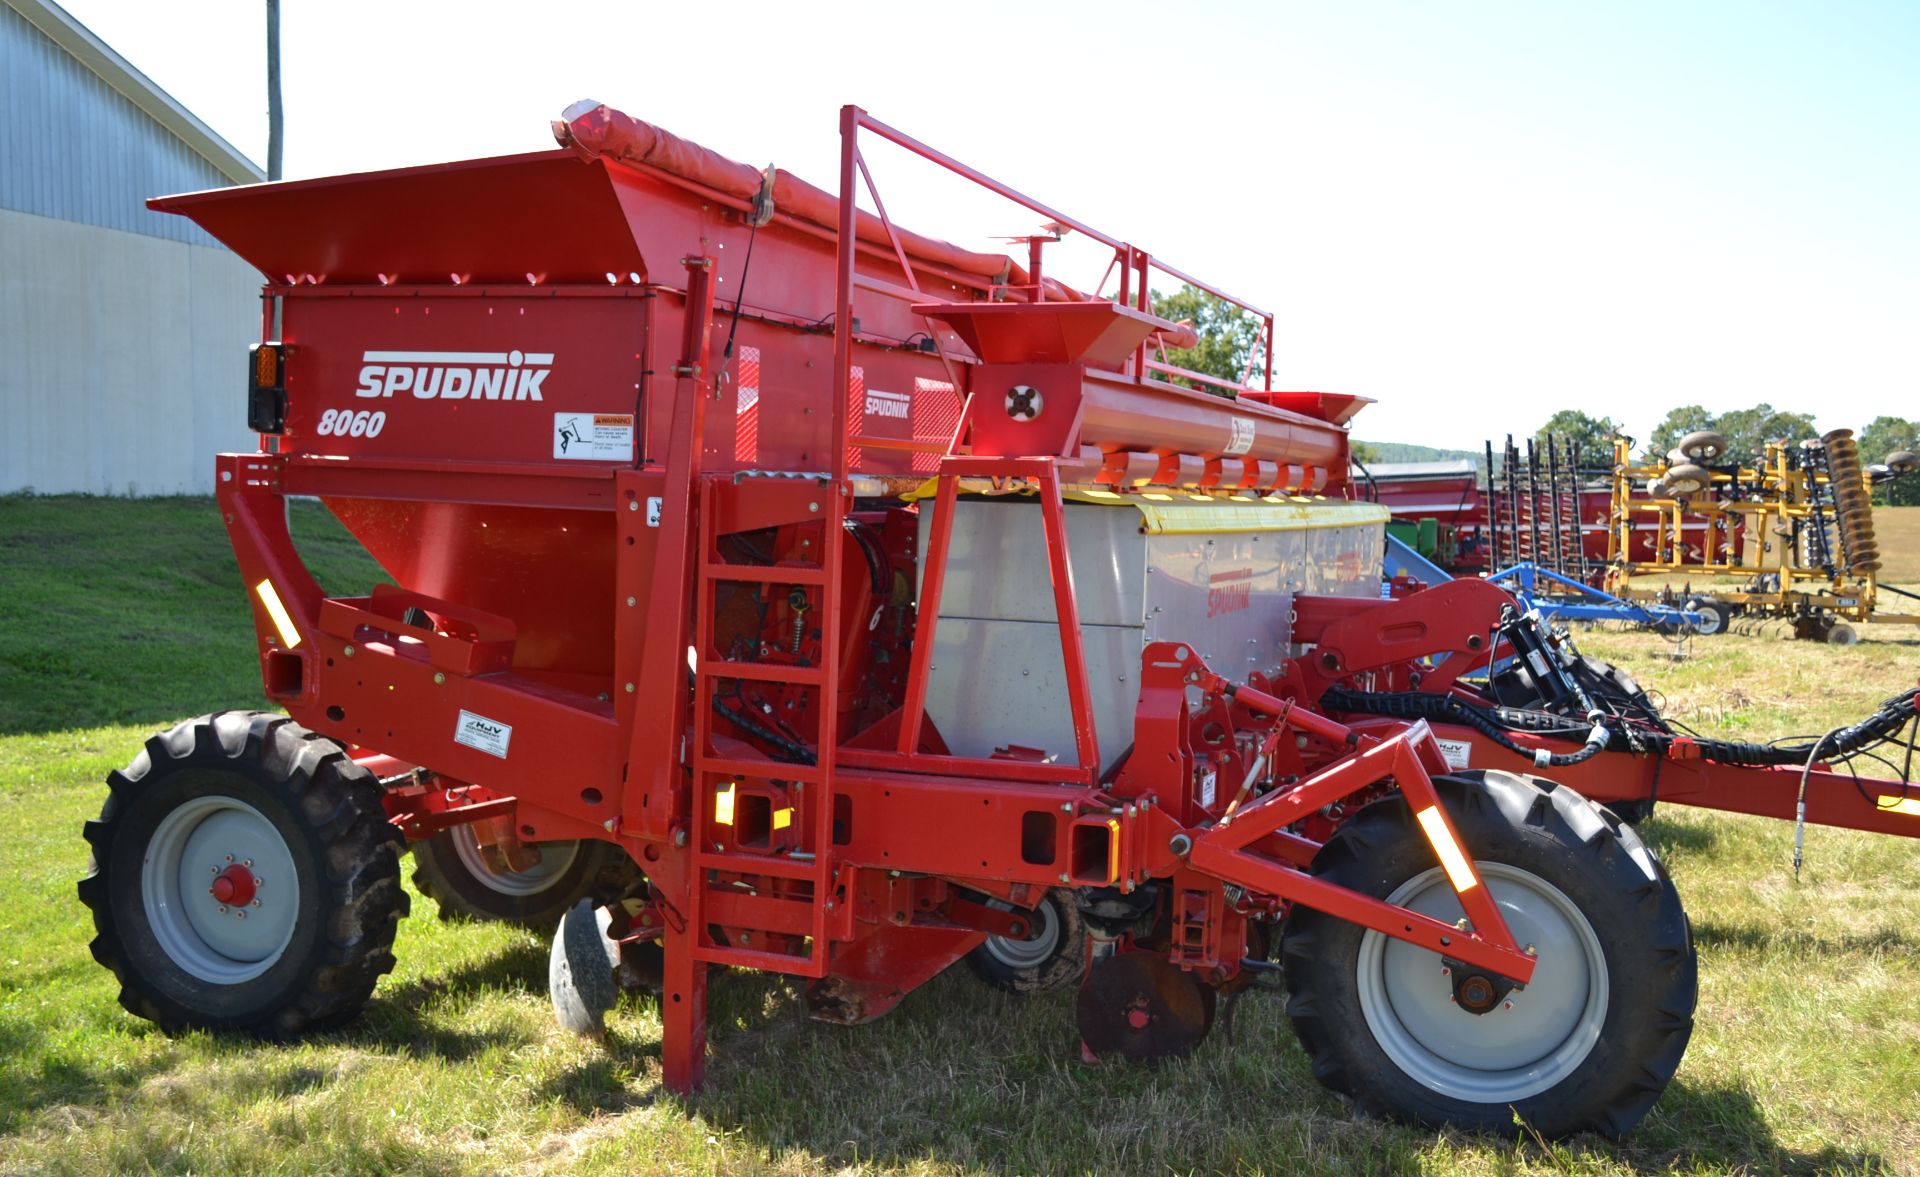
1133,260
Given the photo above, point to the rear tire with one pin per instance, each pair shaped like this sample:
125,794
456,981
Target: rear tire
1054,955
1588,1046
449,869
1715,616
293,830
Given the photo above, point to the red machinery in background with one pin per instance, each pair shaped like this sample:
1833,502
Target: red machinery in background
882,603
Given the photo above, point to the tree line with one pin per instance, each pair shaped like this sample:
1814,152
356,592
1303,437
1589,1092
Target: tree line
1747,432
1231,342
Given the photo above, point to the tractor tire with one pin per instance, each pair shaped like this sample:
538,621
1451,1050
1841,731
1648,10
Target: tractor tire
1588,1046
244,879
1054,955
1715,616
449,869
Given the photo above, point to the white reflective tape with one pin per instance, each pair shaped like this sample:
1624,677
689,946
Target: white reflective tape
1434,826
282,621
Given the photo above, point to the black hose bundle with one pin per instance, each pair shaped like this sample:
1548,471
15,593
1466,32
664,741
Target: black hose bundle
1485,720
1494,723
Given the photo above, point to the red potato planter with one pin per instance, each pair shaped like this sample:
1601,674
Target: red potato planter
640,436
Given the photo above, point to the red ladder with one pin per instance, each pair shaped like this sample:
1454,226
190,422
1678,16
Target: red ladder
764,899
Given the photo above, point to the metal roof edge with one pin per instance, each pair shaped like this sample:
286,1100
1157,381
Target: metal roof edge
79,41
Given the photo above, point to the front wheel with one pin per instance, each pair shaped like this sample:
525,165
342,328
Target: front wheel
245,878
1589,1045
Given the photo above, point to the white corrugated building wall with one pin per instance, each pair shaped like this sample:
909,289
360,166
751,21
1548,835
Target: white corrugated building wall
123,332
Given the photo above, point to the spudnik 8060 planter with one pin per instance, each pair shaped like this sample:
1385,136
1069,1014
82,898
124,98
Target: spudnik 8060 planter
878,603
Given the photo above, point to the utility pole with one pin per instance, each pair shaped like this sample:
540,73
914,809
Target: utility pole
275,134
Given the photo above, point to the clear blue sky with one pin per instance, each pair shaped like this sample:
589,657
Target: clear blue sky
1476,213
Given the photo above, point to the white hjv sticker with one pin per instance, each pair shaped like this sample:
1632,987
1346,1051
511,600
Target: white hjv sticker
1209,785
596,437
1456,752
487,735
1242,439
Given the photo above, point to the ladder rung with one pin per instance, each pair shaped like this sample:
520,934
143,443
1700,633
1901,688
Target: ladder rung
762,913
771,962
765,573
763,864
805,676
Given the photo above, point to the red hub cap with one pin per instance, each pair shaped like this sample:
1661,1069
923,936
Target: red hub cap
234,887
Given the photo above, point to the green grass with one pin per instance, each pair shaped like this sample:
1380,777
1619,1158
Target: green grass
118,617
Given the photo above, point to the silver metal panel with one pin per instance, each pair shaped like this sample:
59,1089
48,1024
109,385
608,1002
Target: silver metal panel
1003,682
74,148
121,387
997,563
1229,596
998,677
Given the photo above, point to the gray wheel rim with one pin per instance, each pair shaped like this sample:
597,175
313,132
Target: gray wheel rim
1027,954
1507,1054
555,858
215,942
1709,621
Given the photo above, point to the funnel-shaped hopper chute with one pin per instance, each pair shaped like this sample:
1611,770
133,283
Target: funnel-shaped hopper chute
1101,333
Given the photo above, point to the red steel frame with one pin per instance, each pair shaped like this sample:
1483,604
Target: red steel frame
870,915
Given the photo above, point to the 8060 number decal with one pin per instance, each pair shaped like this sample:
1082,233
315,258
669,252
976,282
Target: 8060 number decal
351,423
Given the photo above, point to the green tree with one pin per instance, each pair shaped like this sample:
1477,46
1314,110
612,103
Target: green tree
1884,436
1364,452
1678,423
1749,430
1594,436
1229,335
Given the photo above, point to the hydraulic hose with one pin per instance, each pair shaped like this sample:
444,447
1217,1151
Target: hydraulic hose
1452,709
1876,728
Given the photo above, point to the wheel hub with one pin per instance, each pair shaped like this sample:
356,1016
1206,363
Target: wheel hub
234,887
206,868
1461,1033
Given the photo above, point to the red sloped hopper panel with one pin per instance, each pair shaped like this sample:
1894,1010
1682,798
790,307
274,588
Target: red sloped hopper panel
550,214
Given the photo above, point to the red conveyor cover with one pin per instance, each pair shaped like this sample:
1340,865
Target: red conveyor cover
595,129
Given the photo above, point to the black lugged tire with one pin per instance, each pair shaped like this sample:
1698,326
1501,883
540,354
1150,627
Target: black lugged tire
598,870
1716,616
1065,956
345,854
1596,863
